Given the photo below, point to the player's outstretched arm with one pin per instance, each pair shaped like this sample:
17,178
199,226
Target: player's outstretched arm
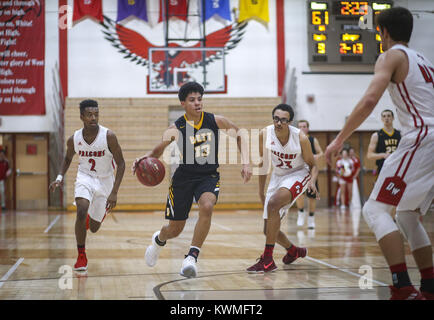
116,151
306,151
65,164
171,134
242,142
385,67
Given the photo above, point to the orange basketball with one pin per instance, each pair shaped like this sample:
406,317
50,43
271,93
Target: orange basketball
150,171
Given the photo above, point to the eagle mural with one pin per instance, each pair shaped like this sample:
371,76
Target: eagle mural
135,47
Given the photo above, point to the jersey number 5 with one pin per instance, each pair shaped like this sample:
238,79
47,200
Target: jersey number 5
92,162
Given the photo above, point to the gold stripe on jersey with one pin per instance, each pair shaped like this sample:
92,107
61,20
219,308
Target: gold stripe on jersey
197,126
391,134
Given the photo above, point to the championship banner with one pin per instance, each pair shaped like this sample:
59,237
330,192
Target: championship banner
91,8
135,8
254,9
217,7
176,9
22,57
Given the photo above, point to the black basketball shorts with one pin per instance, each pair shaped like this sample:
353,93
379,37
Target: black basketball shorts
186,186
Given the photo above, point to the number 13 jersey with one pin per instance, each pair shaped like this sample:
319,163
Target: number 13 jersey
287,158
95,159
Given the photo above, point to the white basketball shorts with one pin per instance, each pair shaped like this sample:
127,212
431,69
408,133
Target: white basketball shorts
296,182
407,177
96,190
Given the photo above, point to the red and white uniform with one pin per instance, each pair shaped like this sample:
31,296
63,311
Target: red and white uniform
407,177
345,169
289,169
95,174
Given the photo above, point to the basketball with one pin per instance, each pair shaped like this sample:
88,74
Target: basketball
150,171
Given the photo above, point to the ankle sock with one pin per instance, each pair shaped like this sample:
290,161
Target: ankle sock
268,251
194,252
81,249
400,276
427,280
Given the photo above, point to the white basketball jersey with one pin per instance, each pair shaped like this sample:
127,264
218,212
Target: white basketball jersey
414,97
287,158
95,159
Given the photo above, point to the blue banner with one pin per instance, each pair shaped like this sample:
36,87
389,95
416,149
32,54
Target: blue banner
128,8
219,7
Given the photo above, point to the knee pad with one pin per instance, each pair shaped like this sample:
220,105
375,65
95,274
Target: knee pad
411,228
377,216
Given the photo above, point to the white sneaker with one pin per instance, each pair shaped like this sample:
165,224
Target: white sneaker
189,268
301,217
343,207
153,251
311,222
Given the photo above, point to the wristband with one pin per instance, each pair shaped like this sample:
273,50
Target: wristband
59,178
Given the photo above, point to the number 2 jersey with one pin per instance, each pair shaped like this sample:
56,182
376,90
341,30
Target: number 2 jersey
95,159
287,158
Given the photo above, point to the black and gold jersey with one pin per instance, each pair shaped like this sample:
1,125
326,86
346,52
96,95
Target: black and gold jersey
198,144
386,143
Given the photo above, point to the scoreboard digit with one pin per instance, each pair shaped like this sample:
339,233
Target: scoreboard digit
334,34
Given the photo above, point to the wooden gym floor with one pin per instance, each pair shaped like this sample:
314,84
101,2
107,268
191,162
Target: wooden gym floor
37,250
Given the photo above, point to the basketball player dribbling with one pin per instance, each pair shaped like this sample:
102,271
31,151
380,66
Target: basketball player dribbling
294,172
406,180
197,134
96,187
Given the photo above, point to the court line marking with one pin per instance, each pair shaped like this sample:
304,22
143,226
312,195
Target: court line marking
343,270
52,223
11,270
221,226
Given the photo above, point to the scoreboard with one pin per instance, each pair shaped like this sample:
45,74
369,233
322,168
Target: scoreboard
335,35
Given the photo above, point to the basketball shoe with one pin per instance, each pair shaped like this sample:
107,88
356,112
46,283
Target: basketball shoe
301,218
311,222
153,251
405,293
261,266
189,268
300,253
81,264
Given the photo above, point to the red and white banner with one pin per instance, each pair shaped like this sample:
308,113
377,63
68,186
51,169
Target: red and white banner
90,8
176,9
22,58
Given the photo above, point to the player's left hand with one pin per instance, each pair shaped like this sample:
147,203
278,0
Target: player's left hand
246,172
111,201
332,150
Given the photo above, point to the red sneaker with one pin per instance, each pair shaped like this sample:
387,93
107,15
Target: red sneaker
81,264
301,253
262,266
405,293
427,295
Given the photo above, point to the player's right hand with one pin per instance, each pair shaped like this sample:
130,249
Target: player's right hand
136,163
55,184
